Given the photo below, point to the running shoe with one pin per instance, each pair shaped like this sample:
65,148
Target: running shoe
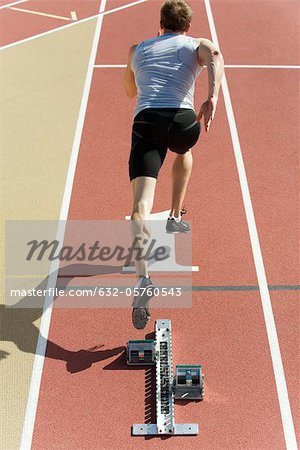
177,227
140,312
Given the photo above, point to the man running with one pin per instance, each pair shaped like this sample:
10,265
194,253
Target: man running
161,71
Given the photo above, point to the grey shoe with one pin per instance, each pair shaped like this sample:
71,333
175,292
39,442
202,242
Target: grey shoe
140,312
177,227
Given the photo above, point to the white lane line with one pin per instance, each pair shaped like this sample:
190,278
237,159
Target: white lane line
253,66
227,66
38,13
37,371
8,5
86,19
284,404
74,15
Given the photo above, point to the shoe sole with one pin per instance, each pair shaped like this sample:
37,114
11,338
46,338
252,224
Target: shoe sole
176,232
140,328
150,286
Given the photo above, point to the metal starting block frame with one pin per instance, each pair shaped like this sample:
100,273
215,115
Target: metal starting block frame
186,385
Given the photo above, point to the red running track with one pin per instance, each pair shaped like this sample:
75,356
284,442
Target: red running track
18,25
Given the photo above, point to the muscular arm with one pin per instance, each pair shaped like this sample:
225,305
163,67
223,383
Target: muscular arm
210,55
129,80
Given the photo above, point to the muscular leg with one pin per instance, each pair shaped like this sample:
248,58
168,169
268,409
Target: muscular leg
181,172
143,198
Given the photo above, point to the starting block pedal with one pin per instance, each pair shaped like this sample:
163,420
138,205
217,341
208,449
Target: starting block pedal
186,385
189,382
141,352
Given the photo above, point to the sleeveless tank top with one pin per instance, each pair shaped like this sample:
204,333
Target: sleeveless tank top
165,70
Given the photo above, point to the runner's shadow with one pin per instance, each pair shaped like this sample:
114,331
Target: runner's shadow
17,323
83,359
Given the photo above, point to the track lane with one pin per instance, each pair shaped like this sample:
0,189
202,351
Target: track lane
286,307
17,25
95,407
260,32
126,29
269,138
239,431
279,373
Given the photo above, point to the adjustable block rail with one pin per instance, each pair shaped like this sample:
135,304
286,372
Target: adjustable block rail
186,385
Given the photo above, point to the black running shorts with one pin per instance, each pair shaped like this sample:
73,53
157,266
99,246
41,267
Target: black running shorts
156,130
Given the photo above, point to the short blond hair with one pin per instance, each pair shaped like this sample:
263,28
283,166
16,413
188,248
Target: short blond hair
176,15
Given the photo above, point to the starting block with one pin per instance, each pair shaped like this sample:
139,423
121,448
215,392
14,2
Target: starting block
188,383
141,352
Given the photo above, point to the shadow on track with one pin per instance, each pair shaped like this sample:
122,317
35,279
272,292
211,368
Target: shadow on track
17,323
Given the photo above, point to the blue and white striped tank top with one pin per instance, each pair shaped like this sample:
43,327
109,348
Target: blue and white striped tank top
165,70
